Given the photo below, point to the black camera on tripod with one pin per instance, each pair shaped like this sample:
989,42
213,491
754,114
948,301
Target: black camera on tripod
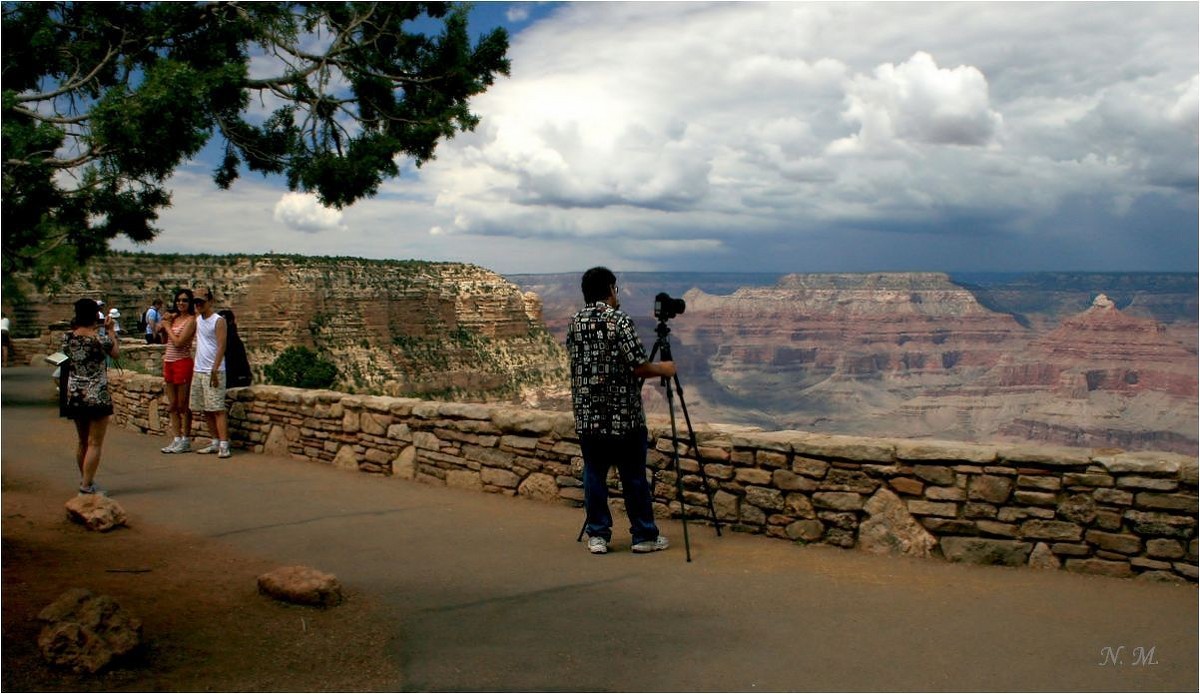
666,308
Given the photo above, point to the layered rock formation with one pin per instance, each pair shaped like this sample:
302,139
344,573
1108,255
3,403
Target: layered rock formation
1115,380
884,354
920,355
841,352
392,327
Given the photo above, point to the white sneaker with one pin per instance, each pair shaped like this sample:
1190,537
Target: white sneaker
656,545
185,445
597,545
223,453
210,448
172,447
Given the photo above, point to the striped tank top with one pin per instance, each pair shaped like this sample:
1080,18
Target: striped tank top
174,353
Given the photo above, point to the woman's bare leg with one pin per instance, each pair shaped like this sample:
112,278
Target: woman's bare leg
81,446
172,412
185,409
95,444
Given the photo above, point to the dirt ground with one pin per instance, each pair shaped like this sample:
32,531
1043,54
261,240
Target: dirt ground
205,626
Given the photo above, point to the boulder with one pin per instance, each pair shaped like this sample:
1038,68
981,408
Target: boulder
84,632
890,529
301,585
96,512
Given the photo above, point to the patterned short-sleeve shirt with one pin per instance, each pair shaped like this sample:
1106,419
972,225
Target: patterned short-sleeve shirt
604,348
87,386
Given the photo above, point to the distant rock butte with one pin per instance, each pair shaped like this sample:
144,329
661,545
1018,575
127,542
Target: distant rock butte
1103,349
916,355
849,326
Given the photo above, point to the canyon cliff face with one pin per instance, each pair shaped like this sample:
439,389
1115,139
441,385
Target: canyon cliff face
841,352
914,355
1113,379
391,327
919,355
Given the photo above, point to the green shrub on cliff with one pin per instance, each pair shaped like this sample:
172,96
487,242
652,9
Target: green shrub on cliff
300,367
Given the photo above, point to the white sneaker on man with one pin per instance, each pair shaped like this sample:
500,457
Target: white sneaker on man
172,447
210,448
597,545
656,545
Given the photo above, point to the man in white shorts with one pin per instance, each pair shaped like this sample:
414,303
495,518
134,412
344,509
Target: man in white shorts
208,381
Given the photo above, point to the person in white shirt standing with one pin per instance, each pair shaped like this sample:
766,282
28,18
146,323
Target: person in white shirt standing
208,382
4,338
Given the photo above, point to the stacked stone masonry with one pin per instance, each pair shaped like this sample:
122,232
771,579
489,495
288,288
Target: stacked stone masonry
1085,510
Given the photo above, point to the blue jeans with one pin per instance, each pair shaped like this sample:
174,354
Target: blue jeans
628,453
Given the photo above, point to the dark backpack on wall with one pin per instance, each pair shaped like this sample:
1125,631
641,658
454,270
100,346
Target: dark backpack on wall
237,364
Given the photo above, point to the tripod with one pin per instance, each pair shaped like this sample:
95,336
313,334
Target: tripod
662,348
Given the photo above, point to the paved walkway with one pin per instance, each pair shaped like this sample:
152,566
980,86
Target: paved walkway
493,593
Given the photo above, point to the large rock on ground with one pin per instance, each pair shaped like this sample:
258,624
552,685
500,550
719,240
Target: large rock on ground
890,529
84,632
96,512
301,585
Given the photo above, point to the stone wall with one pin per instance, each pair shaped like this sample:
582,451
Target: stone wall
135,353
1086,510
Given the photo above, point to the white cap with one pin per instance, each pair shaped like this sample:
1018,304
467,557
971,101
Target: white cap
114,313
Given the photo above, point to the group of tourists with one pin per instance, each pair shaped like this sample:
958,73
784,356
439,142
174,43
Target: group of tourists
198,339
608,363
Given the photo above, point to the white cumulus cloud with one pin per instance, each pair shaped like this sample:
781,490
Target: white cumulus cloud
303,212
919,102
798,136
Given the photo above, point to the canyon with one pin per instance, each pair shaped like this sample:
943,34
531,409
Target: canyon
1049,358
1084,359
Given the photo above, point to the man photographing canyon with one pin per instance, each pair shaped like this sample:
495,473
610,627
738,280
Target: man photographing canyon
608,362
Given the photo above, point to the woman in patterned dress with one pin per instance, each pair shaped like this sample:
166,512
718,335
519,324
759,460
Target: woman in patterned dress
86,398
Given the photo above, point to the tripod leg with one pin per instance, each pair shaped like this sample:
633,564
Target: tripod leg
687,545
712,511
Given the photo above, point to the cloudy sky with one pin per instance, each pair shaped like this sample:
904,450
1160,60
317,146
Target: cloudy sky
783,137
